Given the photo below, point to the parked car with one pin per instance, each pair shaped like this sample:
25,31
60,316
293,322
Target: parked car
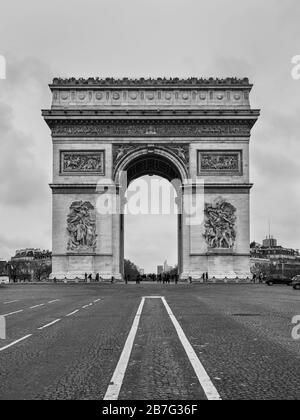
278,279
296,282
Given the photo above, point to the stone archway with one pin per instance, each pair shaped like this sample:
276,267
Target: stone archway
196,129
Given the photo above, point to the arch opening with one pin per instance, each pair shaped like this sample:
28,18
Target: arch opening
155,233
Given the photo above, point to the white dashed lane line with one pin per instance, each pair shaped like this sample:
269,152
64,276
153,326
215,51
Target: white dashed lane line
31,307
12,301
44,326
13,313
15,342
48,325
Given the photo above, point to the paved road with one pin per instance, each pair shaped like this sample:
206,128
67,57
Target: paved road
241,334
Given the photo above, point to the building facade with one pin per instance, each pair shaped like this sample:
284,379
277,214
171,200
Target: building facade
30,264
194,131
271,258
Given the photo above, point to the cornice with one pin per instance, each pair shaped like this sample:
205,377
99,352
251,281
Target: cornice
149,82
148,113
208,188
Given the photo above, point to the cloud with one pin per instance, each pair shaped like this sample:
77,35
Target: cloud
149,38
22,178
24,157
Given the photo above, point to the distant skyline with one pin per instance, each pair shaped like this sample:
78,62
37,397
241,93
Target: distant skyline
141,38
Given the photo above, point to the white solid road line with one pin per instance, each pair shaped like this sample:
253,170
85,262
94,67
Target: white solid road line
37,306
204,379
48,325
114,387
97,300
12,313
73,313
15,342
86,306
12,301
52,301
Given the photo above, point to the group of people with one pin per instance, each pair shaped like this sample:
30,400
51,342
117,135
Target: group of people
89,277
164,278
167,278
259,278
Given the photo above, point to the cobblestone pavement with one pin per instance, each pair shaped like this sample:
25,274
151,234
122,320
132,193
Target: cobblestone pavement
240,333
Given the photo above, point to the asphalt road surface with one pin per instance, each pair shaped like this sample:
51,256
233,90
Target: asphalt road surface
201,342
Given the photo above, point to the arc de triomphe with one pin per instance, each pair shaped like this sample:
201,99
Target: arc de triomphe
194,130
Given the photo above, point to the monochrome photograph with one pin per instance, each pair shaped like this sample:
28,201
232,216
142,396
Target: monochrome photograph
149,203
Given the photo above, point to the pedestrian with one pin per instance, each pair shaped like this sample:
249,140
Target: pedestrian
203,277
206,276
112,279
90,278
85,277
260,278
190,279
254,278
97,277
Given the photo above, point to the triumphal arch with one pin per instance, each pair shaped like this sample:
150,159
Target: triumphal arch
196,131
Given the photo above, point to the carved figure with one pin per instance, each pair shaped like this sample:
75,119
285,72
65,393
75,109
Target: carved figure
219,225
81,227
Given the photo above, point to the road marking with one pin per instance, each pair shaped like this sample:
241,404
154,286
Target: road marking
86,306
74,312
12,313
205,381
114,387
37,306
52,301
15,342
12,301
98,300
2,328
48,325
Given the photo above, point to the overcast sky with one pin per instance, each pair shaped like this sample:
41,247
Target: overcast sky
135,38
